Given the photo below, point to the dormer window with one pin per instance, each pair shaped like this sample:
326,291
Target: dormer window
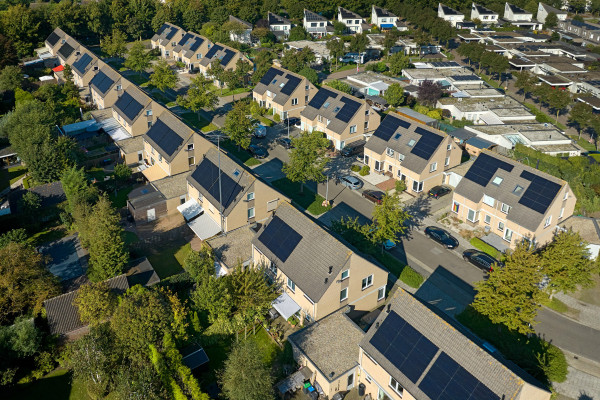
236,173
497,181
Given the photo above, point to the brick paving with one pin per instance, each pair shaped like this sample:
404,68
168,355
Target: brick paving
579,385
589,314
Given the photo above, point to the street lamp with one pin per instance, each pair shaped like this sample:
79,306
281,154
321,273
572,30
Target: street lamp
218,136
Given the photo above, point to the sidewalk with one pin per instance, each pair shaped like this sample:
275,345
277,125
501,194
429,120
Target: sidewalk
589,314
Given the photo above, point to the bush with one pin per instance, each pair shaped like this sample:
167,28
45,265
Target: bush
276,118
400,186
365,170
355,168
411,277
265,121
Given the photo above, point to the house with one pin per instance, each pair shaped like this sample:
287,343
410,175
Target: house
341,117
511,201
242,33
285,92
354,22
449,75
158,198
68,51
223,196
588,229
485,15
412,152
233,249
319,47
586,32
316,25
320,274
84,68
227,57
106,86
133,111
490,111
382,18
544,10
166,39
519,17
279,25
450,15
55,40
371,83
190,50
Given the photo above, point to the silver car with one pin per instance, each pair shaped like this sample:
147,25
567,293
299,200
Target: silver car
351,182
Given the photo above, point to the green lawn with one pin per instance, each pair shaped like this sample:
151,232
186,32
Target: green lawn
15,173
557,305
160,96
404,272
269,349
168,260
343,67
194,120
227,92
209,128
490,81
57,385
129,238
138,79
486,248
171,104
239,153
251,162
120,199
96,173
583,143
307,200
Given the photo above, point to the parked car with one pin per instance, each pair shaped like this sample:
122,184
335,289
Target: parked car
260,132
293,121
351,182
286,143
441,236
353,148
481,260
438,191
373,195
257,151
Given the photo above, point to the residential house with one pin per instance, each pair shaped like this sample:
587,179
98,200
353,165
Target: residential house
243,33
68,51
283,91
449,75
224,196
158,198
227,57
191,49
371,83
106,86
341,117
318,47
84,69
412,152
320,274
279,25
167,38
586,31
450,15
55,40
485,15
545,9
382,18
316,25
354,22
133,111
519,17
511,201
490,111
588,229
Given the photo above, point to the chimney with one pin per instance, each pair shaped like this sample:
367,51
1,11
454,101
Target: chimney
389,306
326,280
330,269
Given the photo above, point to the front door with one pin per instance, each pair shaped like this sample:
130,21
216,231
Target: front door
151,214
350,381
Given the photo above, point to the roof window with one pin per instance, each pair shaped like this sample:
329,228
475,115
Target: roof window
411,142
326,104
236,173
518,189
497,180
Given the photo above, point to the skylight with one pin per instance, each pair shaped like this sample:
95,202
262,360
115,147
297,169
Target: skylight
236,173
282,84
411,142
397,136
518,189
326,104
274,81
497,180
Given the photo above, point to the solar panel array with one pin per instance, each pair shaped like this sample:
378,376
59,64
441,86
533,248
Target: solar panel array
280,238
162,29
212,51
165,137
197,42
446,64
184,39
227,57
66,50
101,82
129,106
81,64
427,144
171,33
389,126
291,84
350,108
459,78
404,346
539,194
207,176
447,380
484,168
270,75
320,98
53,39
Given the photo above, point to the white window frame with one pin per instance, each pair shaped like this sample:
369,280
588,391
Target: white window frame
489,200
250,196
474,215
447,161
367,282
433,167
345,291
347,272
562,211
381,297
251,213
449,147
291,285
548,221
397,387
389,152
505,206
487,219
353,129
508,233
295,101
501,226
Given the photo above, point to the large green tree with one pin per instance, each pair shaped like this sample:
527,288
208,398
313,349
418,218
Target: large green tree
199,95
551,21
138,59
238,126
163,77
95,303
398,62
11,77
245,376
340,85
526,82
114,45
336,48
394,94
581,114
359,42
19,24
389,219
8,54
307,159
295,60
559,100
200,264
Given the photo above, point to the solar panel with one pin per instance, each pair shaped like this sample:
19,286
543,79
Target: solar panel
349,109
196,43
128,106
320,98
207,176
291,84
539,194
102,82
81,64
53,39
227,57
171,33
66,50
212,51
164,137
484,168
270,75
427,144
184,39
280,238
162,29
389,126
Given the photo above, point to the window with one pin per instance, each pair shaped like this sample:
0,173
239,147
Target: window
497,181
518,189
345,274
198,56
411,142
449,147
190,146
191,161
182,199
548,221
282,84
508,235
326,104
366,125
472,215
381,293
433,167
488,200
368,281
505,208
396,386
306,87
397,136
447,161
401,157
562,211
291,285
319,118
501,226
119,87
250,196
353,129
159,158
344,294
251,213
152,150
148,112
295,101
305,99
389,152
487,219
417,186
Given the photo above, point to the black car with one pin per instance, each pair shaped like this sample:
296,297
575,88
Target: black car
353,148
441,236
285,142
481,260
257,151
438,191
374,195
293,121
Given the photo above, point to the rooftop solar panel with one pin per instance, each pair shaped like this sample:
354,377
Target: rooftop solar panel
80,65
65,51
196,43
291,84
162,29
128,106
280,238
164,137
350,108
207,176
427,144
227,57
320,98
102,82
169,34
53,39
270,75
212,51
185,38
389,126
539,194
484,168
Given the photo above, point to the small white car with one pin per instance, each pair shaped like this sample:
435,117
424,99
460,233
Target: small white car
260,132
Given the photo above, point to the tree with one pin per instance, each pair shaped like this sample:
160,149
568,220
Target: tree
559,100
18,235
22,338
19,24
390,39
398,62
581,115
163,77
359,42
298,33
394,94
551,21
24,281
11,77
295,60
339,85
77,189
429,92
339,28
307,159
245,376
389,218
114,45
262,63
511,296
217,72
212,295
199,95
499,65
200,264
566,263
95,303
8,54
138,59
310,74
336,48
122,172
526,82
238,126
30,202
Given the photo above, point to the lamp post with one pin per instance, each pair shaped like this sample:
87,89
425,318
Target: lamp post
218,136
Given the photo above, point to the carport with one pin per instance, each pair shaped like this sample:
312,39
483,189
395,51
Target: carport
200,223
285,306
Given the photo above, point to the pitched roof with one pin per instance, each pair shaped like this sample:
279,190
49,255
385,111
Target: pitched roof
481,10
62,314
550,9
167,135
190,43
338,107
280,82
449,11
302,250
166,33
433,357
313,16
141,273
84,63
104,79
414,141
516,10
131,104
241,21
219,52
382,12
68,48
235,180
275,19
55,36
526,190
347,14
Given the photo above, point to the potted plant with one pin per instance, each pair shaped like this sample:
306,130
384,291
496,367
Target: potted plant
292,321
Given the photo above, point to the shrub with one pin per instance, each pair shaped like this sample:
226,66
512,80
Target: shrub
365,170
411,277
422,109
276,118
400,186
355,168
